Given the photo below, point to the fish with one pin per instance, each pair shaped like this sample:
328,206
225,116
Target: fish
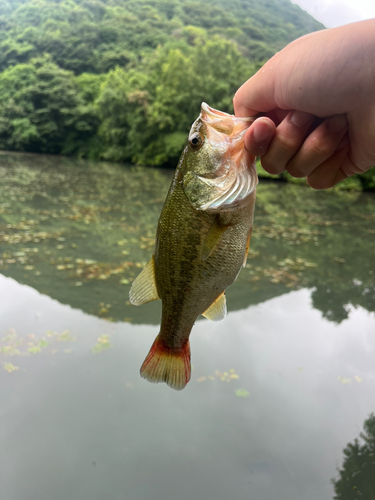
202,240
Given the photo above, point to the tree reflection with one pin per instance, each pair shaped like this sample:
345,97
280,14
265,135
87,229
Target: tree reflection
357,476
80,232
335,303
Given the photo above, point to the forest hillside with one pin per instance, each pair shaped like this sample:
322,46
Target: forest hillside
123,80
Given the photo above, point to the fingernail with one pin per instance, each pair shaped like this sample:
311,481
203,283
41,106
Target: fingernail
299,118
337,123
261,131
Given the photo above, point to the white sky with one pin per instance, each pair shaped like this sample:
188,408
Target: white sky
334,13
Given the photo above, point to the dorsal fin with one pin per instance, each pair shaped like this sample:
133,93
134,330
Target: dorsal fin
212,238
144,289
217,310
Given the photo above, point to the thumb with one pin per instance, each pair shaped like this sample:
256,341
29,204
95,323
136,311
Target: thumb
257,95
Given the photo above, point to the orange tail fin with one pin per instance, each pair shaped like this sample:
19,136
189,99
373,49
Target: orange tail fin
171,366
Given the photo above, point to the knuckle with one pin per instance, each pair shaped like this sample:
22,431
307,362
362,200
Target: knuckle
272,167
296,171
361,161
288,141
321,147
319,182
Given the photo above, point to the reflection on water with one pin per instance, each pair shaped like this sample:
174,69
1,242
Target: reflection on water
277,389
80,232
357,475
276,393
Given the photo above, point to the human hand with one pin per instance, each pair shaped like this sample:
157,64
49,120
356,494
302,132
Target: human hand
317,98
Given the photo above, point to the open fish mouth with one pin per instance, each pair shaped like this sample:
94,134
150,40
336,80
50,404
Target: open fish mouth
222,122
235,176
214,113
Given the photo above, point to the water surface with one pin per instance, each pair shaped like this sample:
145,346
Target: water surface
278,389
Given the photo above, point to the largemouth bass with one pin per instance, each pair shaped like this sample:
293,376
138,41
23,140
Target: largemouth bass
202,240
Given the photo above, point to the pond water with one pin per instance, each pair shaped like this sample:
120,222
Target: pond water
278,389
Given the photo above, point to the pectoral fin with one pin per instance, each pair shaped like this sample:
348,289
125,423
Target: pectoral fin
247,248
144,288
217,310
212,238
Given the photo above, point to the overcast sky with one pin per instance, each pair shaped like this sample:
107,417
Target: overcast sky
338,12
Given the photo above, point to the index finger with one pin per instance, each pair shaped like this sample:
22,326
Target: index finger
257,95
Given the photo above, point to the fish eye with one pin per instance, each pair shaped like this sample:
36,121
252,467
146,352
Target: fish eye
195,141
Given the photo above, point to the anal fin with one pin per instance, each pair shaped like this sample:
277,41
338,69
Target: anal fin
217,310
144,289
212,238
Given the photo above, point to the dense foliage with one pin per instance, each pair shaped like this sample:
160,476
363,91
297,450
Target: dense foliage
123,79
357,474
96,35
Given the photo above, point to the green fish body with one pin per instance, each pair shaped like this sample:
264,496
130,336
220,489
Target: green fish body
202,240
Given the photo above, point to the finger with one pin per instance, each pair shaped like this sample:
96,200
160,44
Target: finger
281,114
289,137
257,94
351,167
259,136
277,115
319,146
348,167
331,171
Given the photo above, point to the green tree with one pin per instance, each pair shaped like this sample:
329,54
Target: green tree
357,476
41,109
146,115
96,35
